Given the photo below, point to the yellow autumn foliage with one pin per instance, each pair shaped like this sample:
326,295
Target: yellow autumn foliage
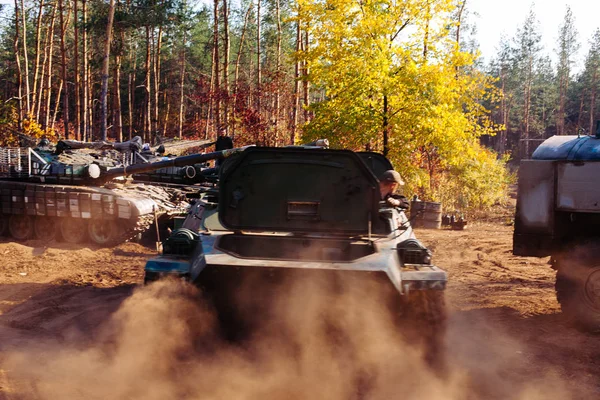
9,129
386,66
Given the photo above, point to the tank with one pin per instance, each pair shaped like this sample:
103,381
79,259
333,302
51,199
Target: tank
77,191
284,215
558,215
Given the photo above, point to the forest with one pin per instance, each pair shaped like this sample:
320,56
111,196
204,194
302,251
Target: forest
402,77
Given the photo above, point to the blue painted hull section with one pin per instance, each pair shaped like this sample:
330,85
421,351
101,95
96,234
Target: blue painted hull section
166,264
569,148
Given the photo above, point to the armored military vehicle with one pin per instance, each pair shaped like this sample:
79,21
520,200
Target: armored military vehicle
558,215
284,214
76,191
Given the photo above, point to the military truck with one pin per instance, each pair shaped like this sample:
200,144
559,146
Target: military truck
78,195
284,214
558,215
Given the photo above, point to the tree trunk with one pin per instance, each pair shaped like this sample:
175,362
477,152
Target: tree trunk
216,77
503,115
44,91
156,70
459,20
49,70
131,88
296,84
226,51
56,104
18,61
426,34
560,124
26,61
236,80
117,118
85,90
89,108
151,87
36,72
386,126
593,91
305,81
211,98
181,88
527,105
278,71
63,55
563,90
105,68
166,119
579,116
258,63
76,122
147,108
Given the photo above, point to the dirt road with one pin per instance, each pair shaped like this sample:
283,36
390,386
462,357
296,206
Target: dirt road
506,338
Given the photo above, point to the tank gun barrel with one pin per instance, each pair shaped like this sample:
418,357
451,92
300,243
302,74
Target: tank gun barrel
181,161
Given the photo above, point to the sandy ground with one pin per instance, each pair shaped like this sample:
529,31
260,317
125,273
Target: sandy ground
506,337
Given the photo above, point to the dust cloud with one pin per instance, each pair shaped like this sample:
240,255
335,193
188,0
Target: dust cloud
164,343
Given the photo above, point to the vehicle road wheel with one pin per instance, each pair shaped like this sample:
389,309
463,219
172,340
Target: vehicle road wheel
44,228
73,230
578,286
103,232
20,226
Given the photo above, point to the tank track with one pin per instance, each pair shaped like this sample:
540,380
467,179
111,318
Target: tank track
129,208
142,224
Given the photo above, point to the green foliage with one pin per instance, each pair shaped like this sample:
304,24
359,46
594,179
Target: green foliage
567,44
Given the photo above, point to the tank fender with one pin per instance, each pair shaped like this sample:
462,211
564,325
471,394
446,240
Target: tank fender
183,255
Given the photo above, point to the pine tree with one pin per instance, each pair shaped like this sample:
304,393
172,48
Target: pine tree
566,50
528,50
591,76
